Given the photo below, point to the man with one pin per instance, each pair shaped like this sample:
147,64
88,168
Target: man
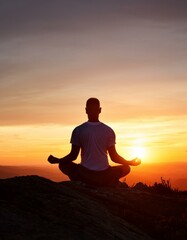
95,140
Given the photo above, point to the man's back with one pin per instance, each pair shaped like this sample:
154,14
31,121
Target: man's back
94,138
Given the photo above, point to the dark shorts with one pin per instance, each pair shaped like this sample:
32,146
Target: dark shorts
108,177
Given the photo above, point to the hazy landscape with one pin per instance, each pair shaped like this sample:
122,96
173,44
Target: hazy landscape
147,173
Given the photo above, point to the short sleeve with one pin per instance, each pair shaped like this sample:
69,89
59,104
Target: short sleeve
75,138
111,138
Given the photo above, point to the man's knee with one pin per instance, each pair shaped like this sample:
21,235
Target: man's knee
120,171
61,166
70,169
64,167
126,169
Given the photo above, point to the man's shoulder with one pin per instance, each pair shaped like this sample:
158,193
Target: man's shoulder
82,125
106,126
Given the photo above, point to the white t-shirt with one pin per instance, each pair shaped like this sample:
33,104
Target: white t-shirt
94,138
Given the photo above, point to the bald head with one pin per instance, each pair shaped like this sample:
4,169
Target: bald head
93,109
92,102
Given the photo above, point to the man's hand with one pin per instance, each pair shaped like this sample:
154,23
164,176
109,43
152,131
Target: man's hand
135,162
51,159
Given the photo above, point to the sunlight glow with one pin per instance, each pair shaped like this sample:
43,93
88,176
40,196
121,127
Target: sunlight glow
138,151
138,148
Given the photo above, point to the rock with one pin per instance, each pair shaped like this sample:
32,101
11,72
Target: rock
33,207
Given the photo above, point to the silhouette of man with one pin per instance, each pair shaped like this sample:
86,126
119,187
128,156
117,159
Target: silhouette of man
95,140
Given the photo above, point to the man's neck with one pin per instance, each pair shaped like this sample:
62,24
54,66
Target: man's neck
93,120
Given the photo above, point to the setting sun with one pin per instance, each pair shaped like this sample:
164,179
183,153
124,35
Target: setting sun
137,146
138,151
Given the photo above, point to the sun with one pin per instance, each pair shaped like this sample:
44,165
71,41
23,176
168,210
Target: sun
138,148
138,151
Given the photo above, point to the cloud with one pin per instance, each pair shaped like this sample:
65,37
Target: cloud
55,54
34,17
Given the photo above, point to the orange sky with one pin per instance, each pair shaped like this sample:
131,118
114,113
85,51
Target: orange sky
131,55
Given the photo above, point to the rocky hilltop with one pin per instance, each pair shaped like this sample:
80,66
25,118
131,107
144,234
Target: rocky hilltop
33,207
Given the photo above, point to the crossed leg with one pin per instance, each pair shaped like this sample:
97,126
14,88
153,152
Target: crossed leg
108,177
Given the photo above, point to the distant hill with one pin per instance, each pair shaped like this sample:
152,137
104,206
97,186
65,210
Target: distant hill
147,173
182,182
33,207
50,172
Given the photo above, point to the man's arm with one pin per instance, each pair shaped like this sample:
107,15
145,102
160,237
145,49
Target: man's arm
115,157
68,158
